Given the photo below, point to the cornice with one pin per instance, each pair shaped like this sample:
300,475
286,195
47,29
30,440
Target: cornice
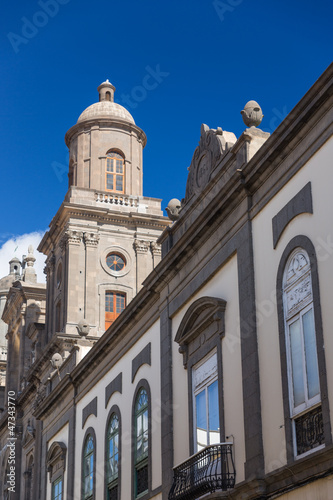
81,213
118,123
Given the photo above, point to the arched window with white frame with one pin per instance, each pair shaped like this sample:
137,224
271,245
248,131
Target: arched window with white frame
301,354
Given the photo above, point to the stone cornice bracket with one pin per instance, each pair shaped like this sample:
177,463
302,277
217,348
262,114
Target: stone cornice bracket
91,239
156,249
141,246
49,264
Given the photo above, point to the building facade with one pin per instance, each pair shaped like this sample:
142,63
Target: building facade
215,381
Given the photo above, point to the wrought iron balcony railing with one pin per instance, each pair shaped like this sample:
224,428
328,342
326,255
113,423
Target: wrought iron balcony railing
210,469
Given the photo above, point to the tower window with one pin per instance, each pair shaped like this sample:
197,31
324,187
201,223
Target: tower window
115,262
115,303
114,172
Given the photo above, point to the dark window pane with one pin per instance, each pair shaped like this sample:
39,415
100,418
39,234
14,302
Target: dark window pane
141,480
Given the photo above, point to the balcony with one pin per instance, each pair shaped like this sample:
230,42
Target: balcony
210,469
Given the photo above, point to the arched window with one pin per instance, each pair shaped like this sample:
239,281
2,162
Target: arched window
301,353
115,303
114,172
88,468
29,475
56,465
141,444
112,458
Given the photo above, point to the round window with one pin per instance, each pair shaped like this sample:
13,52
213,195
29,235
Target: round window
115,262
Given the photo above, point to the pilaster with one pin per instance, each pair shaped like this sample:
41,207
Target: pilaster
91,241
141,249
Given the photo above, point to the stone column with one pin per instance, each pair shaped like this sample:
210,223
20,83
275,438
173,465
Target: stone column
90,300
141,249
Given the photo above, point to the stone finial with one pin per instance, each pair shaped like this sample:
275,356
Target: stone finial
56,360
83,327
173,209
30,275
252,114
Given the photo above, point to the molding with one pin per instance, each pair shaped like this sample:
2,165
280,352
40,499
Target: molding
144,357
90,409
301,203
204,317
115,386
56,458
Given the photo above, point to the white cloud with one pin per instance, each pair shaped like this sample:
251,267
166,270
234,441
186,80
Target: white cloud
17,246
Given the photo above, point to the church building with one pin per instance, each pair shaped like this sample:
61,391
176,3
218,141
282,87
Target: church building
185,357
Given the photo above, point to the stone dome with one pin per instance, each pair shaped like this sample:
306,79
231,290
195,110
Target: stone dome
106,109
7,281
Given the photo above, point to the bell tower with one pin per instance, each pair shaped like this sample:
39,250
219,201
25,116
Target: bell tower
102,242
105,148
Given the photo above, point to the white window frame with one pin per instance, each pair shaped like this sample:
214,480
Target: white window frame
297,312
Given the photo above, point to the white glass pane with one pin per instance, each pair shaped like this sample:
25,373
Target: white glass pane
310,354
139,425
201,439
139,447
297,362
145,420
145,442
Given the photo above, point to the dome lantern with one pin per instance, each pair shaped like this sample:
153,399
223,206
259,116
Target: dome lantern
106,91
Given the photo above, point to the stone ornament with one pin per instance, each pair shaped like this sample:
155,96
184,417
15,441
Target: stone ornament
71,237
298,286
213,145
252,114
156,249
56,360
91,239
173,209
141,246
83,327
30,275
49,264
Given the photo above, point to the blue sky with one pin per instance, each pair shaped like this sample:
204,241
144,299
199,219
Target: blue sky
210,57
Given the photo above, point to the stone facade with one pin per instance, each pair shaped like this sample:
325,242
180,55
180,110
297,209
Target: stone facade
198,376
